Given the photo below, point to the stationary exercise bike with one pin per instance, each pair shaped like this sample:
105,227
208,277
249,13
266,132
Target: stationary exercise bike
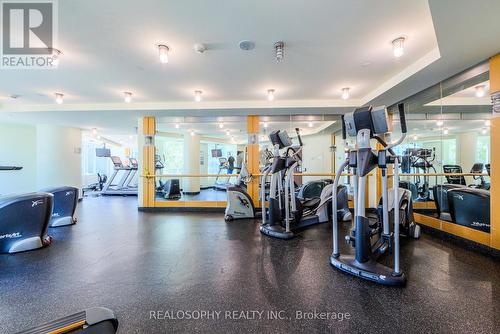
239,203
371,239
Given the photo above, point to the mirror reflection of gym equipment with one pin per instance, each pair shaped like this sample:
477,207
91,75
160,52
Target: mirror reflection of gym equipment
250,167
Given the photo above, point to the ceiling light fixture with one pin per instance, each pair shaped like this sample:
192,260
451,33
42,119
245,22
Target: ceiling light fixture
197,95
177,125
270,94
484,131
163,52
221,125
130,137
279,49
266,125
98,137
445,131
56,54
480,91
228,133
415,137
487,123
398,47
94,131
439,123
192,133
310,124
127,97
59,98
345,93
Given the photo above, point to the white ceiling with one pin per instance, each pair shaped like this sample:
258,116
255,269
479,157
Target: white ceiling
110,48
235,128
465,97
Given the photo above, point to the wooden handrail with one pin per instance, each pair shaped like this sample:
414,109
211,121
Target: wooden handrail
235,175
440,174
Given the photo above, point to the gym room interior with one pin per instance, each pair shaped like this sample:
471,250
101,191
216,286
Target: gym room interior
233,166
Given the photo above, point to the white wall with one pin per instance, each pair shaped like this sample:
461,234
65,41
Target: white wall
18,148
58,156
191,165
316,156
466,150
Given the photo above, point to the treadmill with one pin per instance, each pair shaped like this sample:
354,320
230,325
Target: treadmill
97,320
218,185
121,187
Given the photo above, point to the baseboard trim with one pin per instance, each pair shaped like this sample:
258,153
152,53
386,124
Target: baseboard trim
182,209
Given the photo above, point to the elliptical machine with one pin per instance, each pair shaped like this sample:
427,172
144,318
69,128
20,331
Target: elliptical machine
286,213
373,239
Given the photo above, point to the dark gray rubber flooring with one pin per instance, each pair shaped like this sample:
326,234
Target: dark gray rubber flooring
136,263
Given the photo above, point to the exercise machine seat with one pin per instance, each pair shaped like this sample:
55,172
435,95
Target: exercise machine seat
454,179
470,207
65,202
441,199
171,189
24,221
97,320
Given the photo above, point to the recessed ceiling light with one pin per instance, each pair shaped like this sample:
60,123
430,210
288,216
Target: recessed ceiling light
345,93
415,137
445,131
98,136
127,97
221,125
94,131
487,123
480,91
484,131
193,133
130,137
439,123
310,124
59,98
398,47
270,94
177,125
163,52
280,52
266,125
197,95
228,133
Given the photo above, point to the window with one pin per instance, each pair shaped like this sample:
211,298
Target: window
483,149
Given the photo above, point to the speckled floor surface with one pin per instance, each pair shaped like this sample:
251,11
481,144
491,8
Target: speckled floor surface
136,263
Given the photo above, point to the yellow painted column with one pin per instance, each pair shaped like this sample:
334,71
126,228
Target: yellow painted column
495,157
253,157
147,131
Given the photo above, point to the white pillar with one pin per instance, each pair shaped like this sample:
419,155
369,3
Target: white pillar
467,143
59,158
191,163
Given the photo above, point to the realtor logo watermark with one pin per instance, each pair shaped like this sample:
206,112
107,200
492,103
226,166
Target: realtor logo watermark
28,34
